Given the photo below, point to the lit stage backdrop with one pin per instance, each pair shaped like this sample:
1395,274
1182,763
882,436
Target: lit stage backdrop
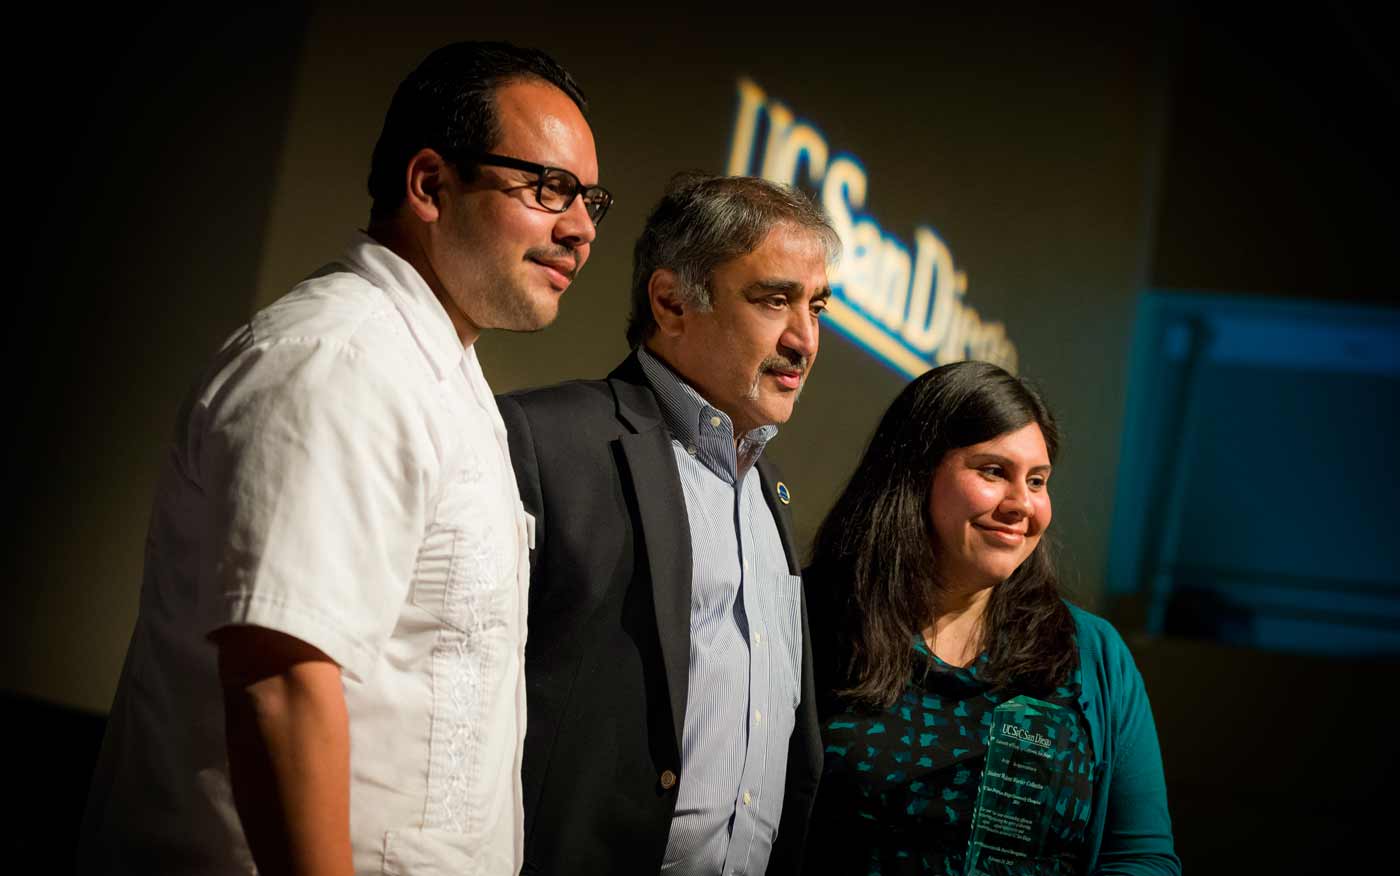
907,310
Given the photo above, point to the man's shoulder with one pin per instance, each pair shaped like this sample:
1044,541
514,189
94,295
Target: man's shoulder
572,396
577,416
335,336
334,304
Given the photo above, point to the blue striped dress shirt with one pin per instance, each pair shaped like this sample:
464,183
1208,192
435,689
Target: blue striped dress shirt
745,643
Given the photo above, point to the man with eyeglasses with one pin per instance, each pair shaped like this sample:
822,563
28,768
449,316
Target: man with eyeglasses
673,725
326,674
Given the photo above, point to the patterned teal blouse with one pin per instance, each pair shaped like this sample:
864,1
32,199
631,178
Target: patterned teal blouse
898,787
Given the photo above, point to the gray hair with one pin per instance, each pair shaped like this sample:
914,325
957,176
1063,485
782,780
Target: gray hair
703,221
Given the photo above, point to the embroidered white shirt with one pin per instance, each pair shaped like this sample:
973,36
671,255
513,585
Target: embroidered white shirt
340,475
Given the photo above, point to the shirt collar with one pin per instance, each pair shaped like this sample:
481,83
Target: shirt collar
703,430
427,320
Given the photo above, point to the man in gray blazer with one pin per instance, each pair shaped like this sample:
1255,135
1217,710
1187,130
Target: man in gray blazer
672,717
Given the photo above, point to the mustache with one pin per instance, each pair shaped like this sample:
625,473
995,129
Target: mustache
554,254
786,362
794,362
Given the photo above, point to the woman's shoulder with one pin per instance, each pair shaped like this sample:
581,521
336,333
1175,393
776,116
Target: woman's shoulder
1098,636
1088,622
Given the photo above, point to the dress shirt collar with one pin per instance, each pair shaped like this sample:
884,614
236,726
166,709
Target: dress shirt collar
431,326
703,430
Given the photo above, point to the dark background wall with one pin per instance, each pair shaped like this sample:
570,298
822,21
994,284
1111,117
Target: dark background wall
1279,178
176,173
143,157
1279,174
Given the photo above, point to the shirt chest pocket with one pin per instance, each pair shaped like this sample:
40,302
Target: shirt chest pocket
465,575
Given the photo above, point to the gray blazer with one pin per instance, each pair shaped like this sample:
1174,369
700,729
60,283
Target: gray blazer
608,656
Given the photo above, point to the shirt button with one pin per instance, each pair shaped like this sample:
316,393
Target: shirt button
758,638
668,780
690,448
757,716
747,798
715,421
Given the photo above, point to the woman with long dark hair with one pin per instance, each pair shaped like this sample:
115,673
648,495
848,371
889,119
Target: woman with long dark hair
934,601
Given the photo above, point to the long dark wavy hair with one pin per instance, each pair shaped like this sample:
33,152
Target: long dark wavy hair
874,557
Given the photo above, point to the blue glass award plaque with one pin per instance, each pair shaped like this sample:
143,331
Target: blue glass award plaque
1024,781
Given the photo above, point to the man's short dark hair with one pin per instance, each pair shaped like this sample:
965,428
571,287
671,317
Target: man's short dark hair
703,221
448,104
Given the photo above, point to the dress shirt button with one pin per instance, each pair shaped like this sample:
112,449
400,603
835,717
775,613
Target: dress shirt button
668,780
747,798
690,448
757,716
757,638
715,421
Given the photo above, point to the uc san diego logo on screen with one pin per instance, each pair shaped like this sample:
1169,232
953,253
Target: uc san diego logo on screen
905,305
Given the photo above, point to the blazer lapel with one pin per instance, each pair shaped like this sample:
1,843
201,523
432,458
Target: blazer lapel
665,528
768,474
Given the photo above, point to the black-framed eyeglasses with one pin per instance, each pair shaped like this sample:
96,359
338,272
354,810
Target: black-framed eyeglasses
555,188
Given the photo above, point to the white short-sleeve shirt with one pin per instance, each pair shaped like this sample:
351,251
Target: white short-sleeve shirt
341,475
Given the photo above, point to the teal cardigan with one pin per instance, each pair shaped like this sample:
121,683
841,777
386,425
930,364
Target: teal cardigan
1130,831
